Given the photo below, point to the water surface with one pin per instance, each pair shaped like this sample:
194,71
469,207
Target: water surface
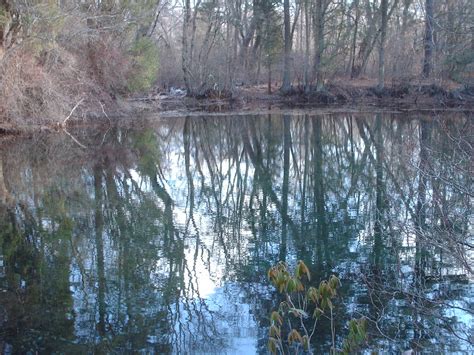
158,239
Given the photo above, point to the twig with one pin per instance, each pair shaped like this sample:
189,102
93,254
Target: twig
105,113
145,99
105,135
72,111
74,139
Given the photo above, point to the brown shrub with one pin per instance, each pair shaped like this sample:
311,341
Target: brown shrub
107,64
41,80
43,89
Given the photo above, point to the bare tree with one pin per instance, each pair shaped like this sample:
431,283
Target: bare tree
428,40
383,35
286,86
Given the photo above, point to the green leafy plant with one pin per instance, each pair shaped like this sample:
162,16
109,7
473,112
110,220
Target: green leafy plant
357,335
144,65
293,325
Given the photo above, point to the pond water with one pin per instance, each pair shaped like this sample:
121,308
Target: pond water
158,238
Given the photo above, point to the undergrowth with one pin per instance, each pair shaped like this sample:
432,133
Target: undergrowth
69,60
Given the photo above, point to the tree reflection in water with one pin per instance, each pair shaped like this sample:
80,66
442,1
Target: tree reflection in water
158,239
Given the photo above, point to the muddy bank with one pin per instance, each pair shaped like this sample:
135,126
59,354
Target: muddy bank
334,98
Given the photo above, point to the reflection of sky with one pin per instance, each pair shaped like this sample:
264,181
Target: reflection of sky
235,328
224,301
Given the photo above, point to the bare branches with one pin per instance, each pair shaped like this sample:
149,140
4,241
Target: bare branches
72,111
74,139
103,110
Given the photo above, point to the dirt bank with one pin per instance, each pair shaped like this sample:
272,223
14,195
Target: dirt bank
350,96
335,97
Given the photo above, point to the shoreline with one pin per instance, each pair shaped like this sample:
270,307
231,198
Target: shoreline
254,100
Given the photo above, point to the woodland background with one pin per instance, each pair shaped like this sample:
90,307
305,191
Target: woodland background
57,54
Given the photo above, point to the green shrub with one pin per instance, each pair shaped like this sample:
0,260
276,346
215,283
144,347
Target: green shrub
144,55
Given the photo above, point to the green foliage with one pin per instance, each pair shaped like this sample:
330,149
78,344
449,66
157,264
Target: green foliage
147,144
357,335
46,19
273,38
144,71
4,16
306,304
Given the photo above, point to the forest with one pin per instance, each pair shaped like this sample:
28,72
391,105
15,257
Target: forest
96,59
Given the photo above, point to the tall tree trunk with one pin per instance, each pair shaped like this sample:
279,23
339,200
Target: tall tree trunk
370,40
379,194
307,17
305,171
249,31
185,46
319,203
286,86
319,43
285,185
428,41
383,35
354,38
99,244
420,221
270,78
401,60
152,27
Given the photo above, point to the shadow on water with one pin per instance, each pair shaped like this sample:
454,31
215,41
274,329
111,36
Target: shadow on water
159,239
